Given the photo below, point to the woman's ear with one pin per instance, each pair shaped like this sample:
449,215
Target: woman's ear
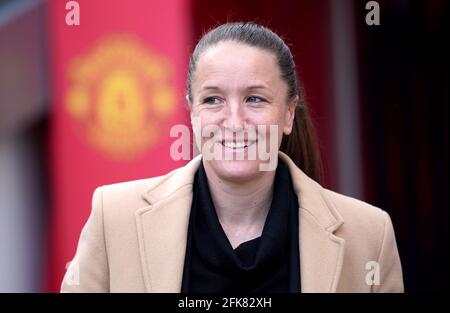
191,113
290,115
188,102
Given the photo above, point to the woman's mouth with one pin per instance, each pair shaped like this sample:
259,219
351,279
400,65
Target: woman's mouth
239,145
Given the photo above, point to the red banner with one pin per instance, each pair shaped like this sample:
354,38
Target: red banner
118,76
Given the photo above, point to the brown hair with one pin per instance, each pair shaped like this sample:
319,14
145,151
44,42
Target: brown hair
301,145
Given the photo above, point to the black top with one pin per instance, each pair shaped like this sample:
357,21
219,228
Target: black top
269,263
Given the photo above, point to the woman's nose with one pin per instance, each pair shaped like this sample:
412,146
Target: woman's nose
234,116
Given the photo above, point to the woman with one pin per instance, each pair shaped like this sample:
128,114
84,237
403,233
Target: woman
228,224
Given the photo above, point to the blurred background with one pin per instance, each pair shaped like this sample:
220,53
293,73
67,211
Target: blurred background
92,104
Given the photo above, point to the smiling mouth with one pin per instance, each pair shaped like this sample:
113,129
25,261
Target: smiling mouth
237,145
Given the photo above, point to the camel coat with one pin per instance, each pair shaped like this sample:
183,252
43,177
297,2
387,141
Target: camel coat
135,238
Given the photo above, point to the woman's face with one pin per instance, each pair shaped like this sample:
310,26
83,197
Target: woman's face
238,91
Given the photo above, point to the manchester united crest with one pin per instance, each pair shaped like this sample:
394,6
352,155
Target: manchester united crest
120,94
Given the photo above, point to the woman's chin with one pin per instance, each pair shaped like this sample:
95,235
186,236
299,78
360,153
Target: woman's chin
235,170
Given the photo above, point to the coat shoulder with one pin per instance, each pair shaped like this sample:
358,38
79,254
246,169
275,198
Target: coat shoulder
131,190
369,237
349,206
361,219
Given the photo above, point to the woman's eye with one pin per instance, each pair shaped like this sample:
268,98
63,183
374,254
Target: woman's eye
255,99
211,100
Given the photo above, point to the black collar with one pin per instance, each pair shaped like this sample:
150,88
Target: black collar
269,263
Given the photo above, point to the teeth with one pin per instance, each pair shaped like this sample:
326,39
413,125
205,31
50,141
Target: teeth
236,145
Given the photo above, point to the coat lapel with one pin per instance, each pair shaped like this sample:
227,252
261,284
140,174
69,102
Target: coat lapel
321,256
321,252
162,231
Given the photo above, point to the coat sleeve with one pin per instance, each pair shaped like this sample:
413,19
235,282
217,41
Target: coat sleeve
88,271
391,277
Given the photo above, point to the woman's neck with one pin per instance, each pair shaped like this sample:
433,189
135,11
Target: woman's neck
241,207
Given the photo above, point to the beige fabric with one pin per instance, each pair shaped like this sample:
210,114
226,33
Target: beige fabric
135,238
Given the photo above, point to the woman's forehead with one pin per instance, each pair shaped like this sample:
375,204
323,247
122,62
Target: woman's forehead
231,61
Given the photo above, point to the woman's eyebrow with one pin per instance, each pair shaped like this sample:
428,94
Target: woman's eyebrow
257,87
209,87
249,87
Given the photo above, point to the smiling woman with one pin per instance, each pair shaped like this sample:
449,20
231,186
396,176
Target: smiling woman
223,224
260,66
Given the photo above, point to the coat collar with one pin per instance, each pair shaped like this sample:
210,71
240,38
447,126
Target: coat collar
162,231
